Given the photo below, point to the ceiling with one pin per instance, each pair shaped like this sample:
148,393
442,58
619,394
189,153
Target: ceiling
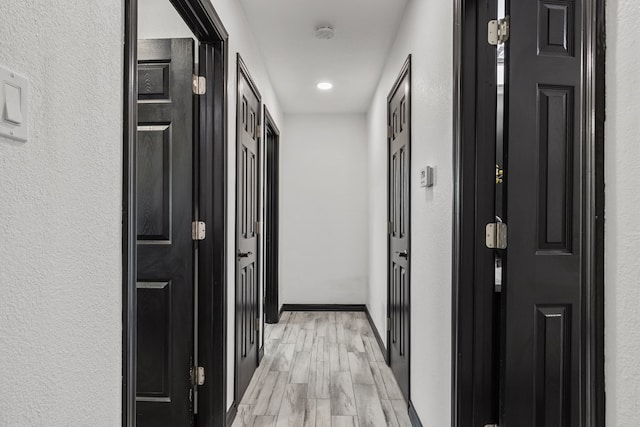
297,60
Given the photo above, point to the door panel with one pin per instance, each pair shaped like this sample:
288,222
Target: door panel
544,371
399,117
247,289
164,214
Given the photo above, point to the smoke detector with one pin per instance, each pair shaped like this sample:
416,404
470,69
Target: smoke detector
325,32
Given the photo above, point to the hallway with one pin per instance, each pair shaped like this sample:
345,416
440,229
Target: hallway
322,369
436,202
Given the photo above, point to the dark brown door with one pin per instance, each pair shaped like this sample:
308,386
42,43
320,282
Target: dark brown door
164,214
399,125
247,315
544,359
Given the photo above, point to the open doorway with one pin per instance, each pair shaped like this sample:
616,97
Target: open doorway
174,214
272,203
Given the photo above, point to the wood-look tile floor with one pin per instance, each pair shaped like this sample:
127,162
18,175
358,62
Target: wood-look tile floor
322,369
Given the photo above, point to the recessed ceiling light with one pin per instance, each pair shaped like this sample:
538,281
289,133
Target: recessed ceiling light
325,85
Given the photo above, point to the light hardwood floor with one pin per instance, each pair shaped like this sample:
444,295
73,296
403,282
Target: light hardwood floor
322,369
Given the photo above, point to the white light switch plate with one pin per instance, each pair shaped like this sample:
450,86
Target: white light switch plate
423,177
426,177
14,105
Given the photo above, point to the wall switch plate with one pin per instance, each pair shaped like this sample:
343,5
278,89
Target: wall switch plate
423,177
430,180
14,105
426,177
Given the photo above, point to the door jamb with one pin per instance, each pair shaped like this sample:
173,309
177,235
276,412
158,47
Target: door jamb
205,23
129,226
466,388
472,394
271,309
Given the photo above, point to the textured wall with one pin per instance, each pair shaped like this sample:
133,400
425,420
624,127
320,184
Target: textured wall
60,228
426,32
622,241
323,210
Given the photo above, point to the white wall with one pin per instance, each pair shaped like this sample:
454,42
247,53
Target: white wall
158,19
241,39
60,217
622,239
426,32
323,209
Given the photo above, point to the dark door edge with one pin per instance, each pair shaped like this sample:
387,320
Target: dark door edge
129,225
204,22
376,333
464,387
597,39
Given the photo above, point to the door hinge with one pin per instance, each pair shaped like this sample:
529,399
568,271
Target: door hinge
496,235
389,132
259,130
491,425
390,228
258,227
498,31
197,375
199,85
388,324
198,230
257,320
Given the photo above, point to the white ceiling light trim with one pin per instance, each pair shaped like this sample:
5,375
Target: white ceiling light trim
325,86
